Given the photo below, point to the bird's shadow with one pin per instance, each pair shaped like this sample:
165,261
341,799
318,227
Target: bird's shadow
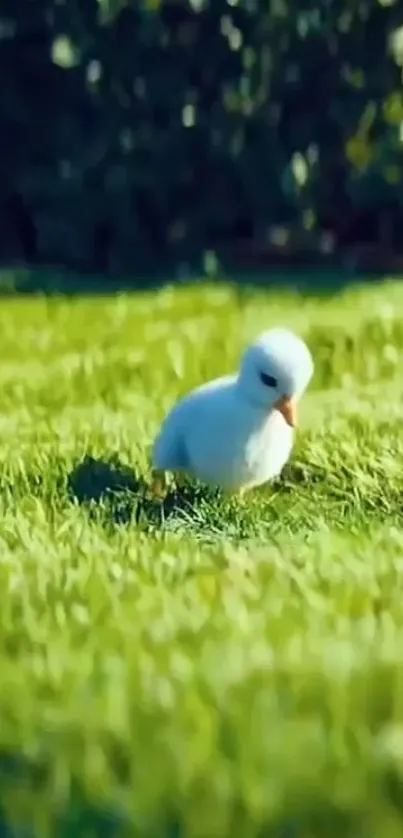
109,485
113,493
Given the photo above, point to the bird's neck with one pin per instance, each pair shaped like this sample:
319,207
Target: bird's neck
252,400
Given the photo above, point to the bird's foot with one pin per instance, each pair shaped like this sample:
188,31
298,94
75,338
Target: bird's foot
159,484
163,481
242,495
179,480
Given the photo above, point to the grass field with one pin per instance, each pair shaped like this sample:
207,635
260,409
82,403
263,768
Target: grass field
206,670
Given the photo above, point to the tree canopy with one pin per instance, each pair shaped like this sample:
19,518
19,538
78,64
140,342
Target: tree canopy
138,136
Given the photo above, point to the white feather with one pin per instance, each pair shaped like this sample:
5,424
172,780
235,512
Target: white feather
226,432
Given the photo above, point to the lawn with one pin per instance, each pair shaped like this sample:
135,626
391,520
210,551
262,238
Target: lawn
205,670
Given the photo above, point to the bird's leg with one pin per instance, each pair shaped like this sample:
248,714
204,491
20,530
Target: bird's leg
159,483
180,481
241,495
243,492
235,494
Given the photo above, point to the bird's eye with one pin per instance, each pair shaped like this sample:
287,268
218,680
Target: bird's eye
268,380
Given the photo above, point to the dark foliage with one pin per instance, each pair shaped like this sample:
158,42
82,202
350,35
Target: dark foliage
137,137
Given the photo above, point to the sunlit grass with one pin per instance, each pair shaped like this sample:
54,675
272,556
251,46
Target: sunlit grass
216,670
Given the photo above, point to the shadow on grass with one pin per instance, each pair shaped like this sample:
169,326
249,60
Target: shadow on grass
114,495
125,497
80,817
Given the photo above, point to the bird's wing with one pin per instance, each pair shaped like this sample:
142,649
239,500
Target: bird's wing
170,449
169,452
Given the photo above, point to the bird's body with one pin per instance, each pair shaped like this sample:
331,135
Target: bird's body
219,438
237,432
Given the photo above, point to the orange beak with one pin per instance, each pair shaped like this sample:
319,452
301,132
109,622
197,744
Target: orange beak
288,408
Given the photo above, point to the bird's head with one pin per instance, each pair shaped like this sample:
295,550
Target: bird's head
275,371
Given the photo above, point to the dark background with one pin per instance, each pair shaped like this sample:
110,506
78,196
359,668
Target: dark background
163,137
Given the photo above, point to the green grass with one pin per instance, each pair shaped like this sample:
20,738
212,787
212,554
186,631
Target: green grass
216,670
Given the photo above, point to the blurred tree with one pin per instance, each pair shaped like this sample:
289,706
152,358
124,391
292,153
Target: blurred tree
137,134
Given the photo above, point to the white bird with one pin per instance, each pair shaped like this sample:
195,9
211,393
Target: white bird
237,432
